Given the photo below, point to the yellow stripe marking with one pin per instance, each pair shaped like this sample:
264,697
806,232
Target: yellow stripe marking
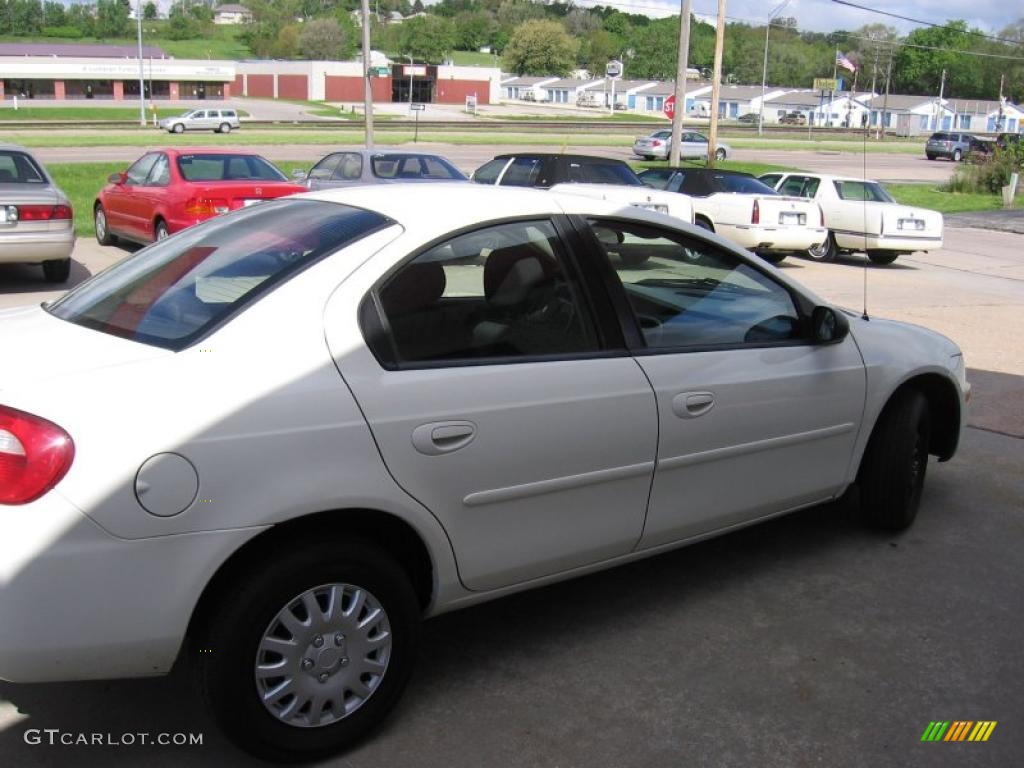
988,731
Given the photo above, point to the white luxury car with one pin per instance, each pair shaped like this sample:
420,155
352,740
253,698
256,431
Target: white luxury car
862,217
300,428
745,210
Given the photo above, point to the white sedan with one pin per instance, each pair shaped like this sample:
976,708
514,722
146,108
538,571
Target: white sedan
862,217
300,428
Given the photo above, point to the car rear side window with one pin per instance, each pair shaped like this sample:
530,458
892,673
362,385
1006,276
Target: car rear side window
489,172
227,167
742,185
501,292
19,168
603,173
523,172
177,290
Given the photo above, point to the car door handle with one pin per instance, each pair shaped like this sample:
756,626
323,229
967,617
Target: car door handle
443,437
690,405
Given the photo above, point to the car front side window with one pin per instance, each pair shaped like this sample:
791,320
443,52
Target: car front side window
687,294
139,171
502,292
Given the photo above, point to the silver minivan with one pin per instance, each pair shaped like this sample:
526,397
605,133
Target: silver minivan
217,120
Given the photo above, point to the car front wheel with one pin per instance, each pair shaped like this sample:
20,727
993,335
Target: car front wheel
720,154
893,469
303,659
178,128
103,236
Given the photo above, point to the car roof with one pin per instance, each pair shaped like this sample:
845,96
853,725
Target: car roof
15,148
704,171
566,155
822,176
200,151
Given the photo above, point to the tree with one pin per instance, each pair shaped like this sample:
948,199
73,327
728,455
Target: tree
417,7
111,19
54,14
286,45
325,40
473,30
597,48
540,48
149,12
580,22
426,38
919,70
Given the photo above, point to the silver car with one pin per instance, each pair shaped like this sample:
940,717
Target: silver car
36,220
216,120
376,166
693,146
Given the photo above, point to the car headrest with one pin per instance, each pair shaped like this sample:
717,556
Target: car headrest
511,274
415,287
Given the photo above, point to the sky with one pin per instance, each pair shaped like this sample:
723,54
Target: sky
826,16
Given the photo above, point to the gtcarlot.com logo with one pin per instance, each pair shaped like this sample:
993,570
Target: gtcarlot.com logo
56,737
958,730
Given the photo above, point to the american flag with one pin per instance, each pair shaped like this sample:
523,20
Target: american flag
845,63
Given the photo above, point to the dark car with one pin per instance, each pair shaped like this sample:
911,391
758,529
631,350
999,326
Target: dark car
1007,140
540,169
949,144
750,117
793,118
979,150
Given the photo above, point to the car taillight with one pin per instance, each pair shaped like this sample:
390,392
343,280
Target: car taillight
34,455
44,212
755,216
205,206
656,143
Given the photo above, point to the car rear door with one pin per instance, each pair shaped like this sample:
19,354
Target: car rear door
754,419
501,400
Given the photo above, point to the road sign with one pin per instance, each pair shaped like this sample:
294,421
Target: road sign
417,107
826,84
670,107
613,68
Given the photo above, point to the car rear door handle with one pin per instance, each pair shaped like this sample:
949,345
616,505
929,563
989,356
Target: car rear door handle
443,437
690,405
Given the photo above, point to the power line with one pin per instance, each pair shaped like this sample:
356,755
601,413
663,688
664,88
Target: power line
924,23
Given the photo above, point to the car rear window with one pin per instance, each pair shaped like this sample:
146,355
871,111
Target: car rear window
743,185
227,167
862,190
19,168
177,290
414,167
941,137
603,173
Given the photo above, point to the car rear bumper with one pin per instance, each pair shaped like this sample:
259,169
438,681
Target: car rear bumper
765,238
77,603
661,152
35,247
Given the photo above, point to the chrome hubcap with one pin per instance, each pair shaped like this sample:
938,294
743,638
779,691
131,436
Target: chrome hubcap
161,233
323,655
101,223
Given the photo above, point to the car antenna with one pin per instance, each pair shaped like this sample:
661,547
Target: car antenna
864,203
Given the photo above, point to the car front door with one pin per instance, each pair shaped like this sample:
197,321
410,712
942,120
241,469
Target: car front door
196,121
123,205
500,400
754,419
149,197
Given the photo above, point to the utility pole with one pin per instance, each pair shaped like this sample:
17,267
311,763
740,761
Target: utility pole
367,85
682,65
885,101
716,84
142,75
938,104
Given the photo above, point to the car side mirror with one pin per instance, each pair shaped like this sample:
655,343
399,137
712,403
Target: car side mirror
828,326
117,178
298,173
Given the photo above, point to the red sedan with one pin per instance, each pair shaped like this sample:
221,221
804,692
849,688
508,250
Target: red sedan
168,190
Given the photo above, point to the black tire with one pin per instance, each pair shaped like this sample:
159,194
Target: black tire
177,128
160,231
57,270
99,217
226,647
957,155
827,251
773,257
882,257
930,156
224,128
703,224
895,463
720,154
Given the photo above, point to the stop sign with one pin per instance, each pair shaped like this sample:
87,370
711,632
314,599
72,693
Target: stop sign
670,107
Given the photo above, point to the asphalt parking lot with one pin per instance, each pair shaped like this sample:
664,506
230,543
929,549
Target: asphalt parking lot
805,641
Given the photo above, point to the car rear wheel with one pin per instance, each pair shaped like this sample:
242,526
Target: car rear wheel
827,251
882,257
703,224
957,155
720,154
893,469
160,231
224,128
773,257
930,156
303,657
178,128
103,236
57,270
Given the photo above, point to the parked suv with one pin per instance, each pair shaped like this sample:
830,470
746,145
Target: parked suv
793,118
951,145
216,120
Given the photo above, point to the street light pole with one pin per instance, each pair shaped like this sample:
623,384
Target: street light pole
410,80
764,71
142,74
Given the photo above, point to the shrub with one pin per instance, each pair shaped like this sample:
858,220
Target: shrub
65,31
990,176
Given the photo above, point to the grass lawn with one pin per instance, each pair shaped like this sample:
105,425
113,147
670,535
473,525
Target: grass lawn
473,59
83,181
928,196
597,117
223,42
65,114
